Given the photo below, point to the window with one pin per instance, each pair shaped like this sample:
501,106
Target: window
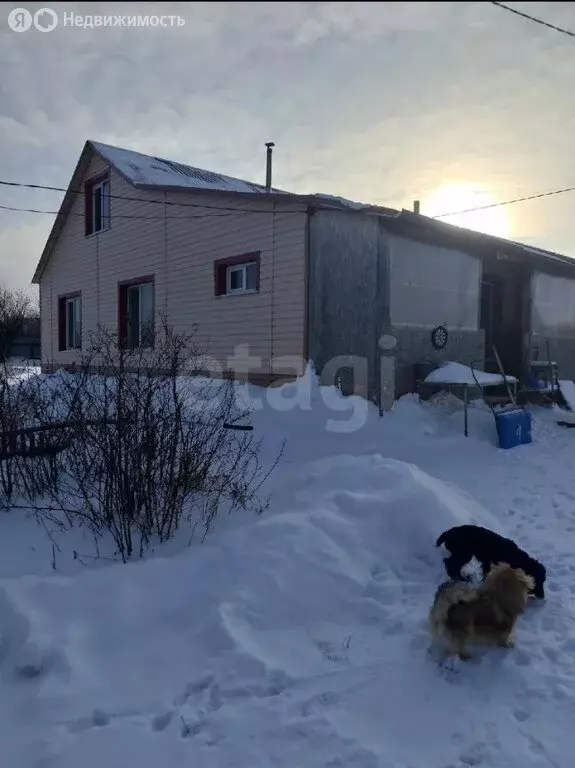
97,196
70,322
136,313
242,278
239,274
431,285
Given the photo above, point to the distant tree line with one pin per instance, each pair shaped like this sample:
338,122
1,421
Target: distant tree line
19,314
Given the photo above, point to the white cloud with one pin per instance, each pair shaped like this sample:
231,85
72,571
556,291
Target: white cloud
377,102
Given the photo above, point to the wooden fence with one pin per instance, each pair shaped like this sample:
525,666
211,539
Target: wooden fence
50,439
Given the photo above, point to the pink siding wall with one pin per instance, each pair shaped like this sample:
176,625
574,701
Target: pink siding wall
179,246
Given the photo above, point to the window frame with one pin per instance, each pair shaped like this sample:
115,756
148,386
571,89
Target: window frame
124,326
101,182
224,268
64,332
243,270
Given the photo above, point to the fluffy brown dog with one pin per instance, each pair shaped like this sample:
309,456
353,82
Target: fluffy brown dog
463,614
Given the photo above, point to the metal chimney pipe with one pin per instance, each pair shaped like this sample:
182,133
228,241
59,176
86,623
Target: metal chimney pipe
416,206
269,150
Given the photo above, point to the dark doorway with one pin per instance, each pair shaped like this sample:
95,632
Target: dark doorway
491,320
502,319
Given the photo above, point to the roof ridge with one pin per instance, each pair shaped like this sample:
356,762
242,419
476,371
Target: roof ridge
154,170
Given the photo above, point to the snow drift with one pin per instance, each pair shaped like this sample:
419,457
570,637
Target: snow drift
298,640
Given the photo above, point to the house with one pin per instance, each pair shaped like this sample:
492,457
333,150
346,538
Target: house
406,275
272,279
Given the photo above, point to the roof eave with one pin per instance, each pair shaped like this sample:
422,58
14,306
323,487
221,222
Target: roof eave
481,238
66,204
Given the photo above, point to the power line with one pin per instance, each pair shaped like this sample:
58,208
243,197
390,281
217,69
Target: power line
125,216
230,211
533,18
141,200
505,202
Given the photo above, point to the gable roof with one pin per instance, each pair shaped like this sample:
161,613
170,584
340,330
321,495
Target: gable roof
147,171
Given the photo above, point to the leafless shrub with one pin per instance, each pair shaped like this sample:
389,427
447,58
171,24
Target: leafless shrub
12,417
150,446
30,442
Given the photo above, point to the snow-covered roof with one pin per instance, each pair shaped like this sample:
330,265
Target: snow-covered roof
149,171
419,221
346,203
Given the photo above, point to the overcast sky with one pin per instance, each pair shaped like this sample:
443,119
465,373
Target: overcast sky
379,102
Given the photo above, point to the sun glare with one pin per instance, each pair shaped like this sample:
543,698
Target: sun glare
450,198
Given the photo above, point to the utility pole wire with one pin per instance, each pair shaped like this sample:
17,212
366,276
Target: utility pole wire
226,211
533,18
505,202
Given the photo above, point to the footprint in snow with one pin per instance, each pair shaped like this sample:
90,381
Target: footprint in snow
476,754
569,645
98,719
551,654
521,658
567,495
189,730
214,699
419,642
320,702
161,722
548,623
329,652
395,628
193,688
521,715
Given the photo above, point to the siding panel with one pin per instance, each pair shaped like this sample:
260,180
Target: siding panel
178,244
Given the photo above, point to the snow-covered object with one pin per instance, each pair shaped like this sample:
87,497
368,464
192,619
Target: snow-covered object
456,373
146,170
298,639
568,391
341,201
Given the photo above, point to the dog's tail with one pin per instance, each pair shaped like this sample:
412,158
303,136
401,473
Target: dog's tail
502,574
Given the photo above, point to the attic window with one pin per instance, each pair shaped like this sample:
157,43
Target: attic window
97,200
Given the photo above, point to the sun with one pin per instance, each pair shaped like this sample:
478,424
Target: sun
461,196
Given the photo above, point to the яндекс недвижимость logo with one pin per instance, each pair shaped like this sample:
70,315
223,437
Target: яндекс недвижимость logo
21,20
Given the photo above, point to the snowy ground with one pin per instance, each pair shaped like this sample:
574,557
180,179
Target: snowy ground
299,639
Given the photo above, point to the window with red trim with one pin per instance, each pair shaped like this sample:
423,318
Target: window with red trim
237,275
97,200
70,322
136,313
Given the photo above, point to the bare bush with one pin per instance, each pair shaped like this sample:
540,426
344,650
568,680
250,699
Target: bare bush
30,438
13,416
151,445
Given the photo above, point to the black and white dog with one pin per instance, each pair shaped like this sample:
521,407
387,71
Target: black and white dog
467,541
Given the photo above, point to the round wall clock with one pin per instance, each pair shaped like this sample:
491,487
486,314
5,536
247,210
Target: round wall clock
439,337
